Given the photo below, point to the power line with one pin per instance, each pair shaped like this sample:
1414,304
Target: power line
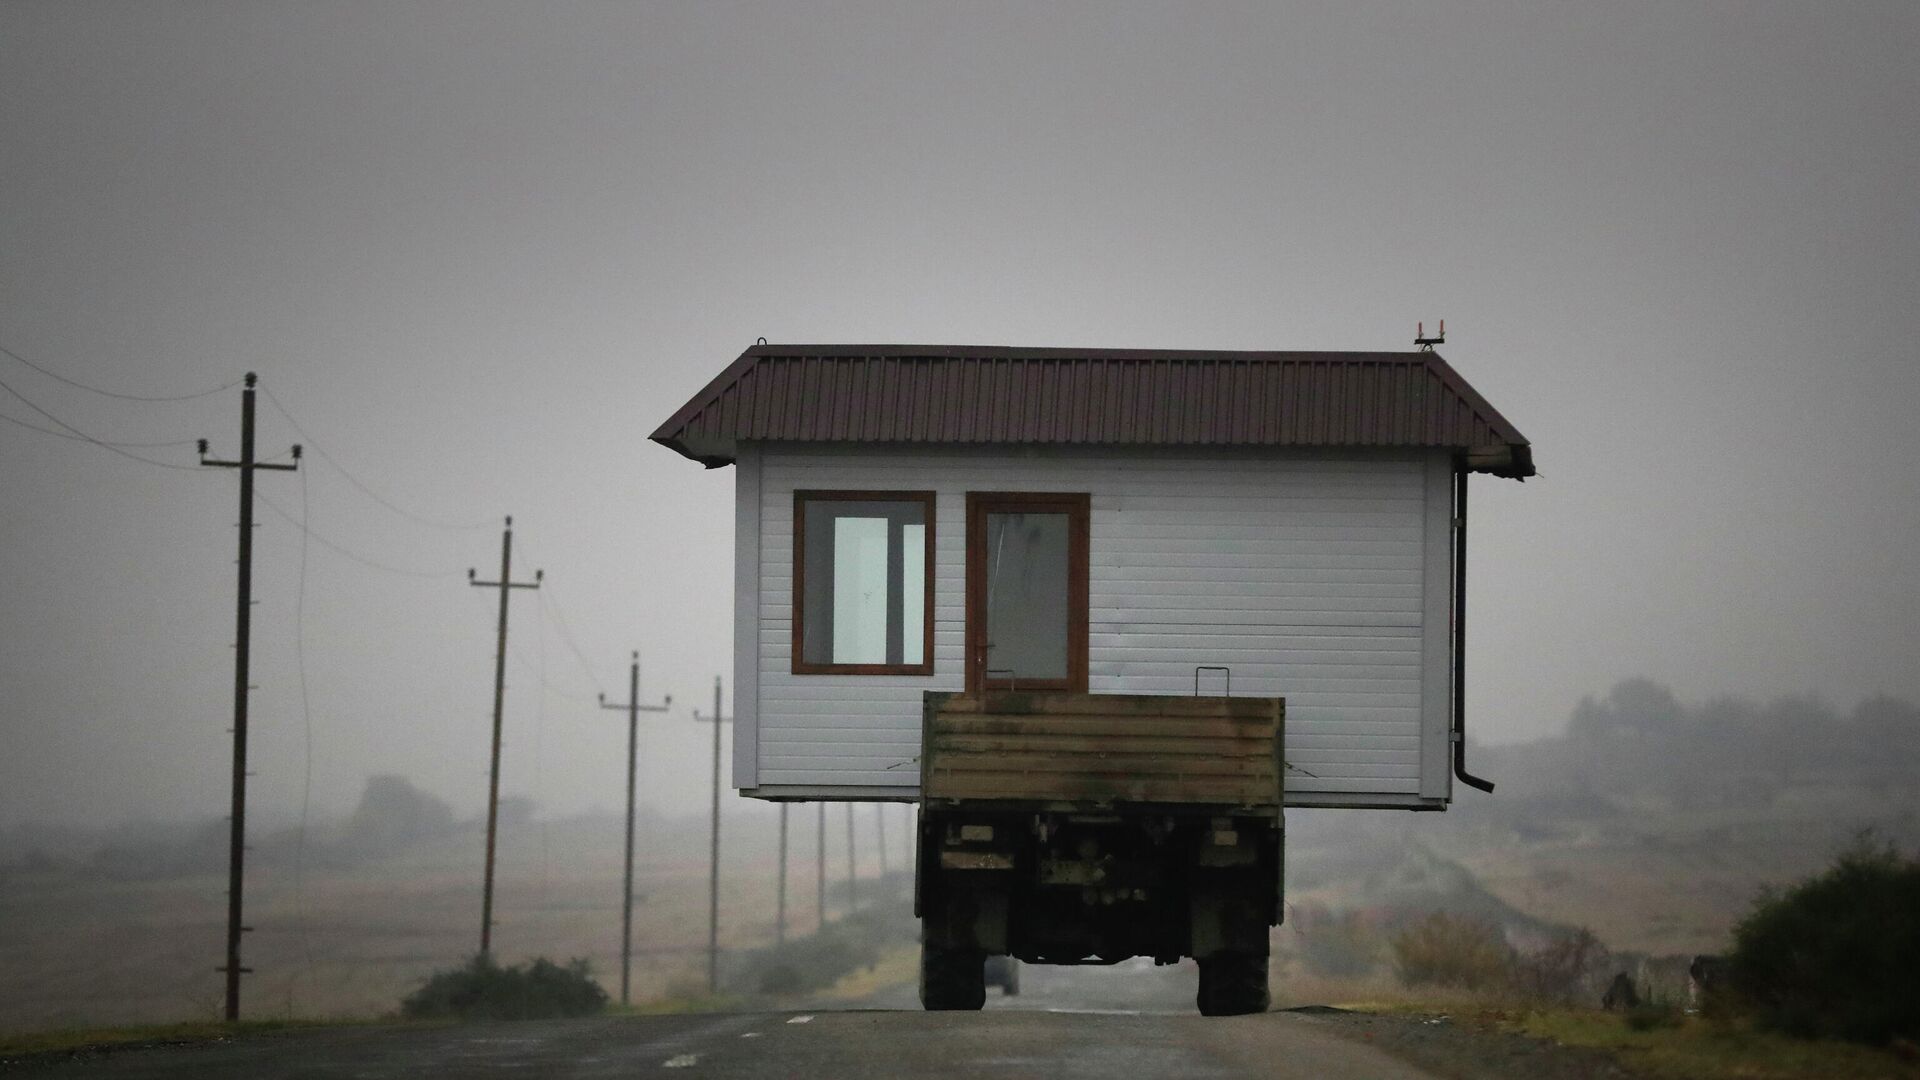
57,377
306,723
535,671
566,635
109,442
364,489
84,437
348,553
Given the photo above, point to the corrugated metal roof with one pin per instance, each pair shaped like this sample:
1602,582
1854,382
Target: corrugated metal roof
1114,397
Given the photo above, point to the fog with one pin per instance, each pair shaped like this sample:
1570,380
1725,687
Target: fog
477,252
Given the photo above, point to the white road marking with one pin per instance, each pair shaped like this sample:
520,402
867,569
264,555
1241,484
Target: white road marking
681,1061
1098,1012
749,1034
800,1020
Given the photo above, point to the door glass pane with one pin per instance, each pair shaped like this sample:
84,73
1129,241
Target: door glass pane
1026,567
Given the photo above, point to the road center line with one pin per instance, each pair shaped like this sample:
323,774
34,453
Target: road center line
681,1061
800,1020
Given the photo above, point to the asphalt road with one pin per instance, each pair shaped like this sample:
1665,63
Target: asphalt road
1094,1023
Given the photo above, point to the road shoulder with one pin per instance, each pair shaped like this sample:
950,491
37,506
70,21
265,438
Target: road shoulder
1464,1051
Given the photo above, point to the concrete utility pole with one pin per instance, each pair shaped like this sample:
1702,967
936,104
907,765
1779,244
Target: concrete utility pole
853,881
242,639
633,710
880,837
506,584
780,911
713,854
820,854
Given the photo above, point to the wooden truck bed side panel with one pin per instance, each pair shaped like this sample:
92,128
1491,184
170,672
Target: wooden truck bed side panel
1103,749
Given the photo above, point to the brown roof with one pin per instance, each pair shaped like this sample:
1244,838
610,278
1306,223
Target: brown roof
1113,397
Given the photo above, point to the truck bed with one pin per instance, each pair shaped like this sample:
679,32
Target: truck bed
1101,751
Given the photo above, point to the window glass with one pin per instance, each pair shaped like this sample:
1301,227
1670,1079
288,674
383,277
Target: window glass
859,590
913,599
863,581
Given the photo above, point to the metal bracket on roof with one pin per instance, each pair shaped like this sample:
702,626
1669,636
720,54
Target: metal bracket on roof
1426,343
1213,667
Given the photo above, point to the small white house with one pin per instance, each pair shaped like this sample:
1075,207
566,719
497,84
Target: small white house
913,518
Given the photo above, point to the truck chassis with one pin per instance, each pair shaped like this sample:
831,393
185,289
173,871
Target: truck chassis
1090,829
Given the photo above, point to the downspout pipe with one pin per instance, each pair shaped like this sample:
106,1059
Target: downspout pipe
1460,632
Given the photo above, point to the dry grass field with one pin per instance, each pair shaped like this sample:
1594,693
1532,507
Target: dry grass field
80,947
91,942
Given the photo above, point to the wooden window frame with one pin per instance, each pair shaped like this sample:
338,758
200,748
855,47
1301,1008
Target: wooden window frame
799,605
1078,506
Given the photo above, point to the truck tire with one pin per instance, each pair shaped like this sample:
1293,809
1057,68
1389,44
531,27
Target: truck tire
1232,984
952,979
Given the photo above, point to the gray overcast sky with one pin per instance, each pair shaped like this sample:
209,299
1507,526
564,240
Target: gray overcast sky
480,250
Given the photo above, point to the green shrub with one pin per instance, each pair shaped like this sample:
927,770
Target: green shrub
483,990
1838,955
817,960
1452,951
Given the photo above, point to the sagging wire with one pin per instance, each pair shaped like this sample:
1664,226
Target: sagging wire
306,722
355,481
348,553
106,442
78,385
76,433
566,635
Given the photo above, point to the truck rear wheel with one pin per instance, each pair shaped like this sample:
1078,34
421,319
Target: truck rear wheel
952,978
1232,984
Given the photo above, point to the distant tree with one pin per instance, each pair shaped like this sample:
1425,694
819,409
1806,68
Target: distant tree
393,813
1799,734
1887,731
1645,705
516,810
1590,719
1638,706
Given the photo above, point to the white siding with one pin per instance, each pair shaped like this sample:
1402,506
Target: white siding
1317,578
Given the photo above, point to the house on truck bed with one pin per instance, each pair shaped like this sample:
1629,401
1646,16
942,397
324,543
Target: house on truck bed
917,518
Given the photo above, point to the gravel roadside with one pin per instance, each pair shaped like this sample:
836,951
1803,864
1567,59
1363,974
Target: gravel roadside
1465,1050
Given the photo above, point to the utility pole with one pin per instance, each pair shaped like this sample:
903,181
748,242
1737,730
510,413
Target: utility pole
713,854
820,853
780,912
506,584
242,639
633,710
853,881
880,836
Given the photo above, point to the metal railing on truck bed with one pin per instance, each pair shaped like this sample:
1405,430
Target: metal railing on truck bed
1100,751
